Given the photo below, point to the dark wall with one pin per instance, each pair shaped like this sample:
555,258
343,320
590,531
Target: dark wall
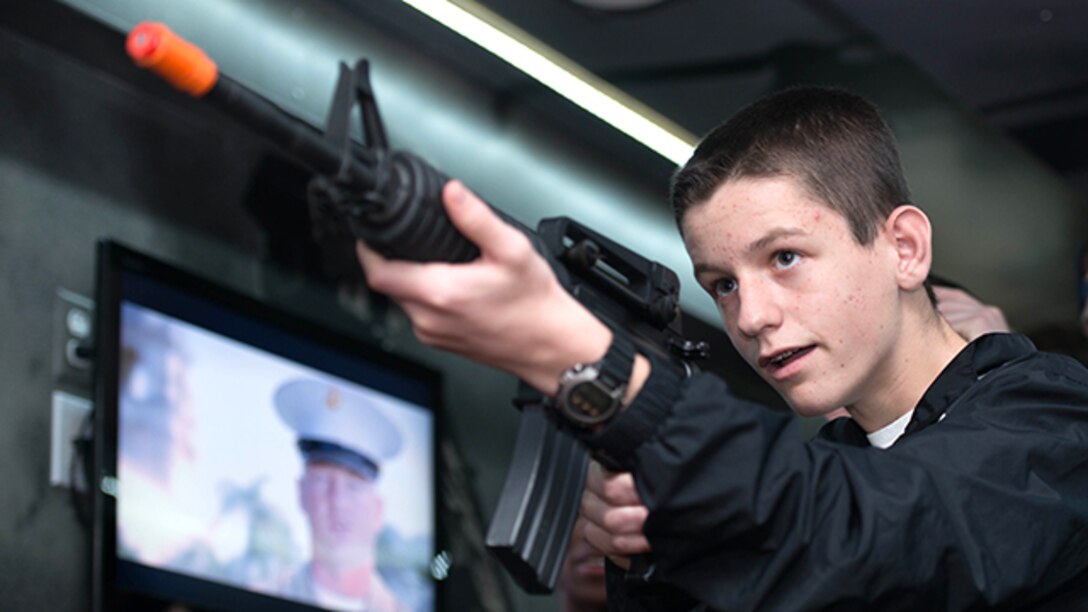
90,149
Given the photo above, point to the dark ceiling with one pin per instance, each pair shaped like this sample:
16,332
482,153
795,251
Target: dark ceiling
1019,65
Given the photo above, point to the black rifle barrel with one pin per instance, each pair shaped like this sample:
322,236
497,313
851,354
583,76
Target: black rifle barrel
395,199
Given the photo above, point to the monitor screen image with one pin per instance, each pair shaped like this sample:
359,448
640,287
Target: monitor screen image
255,460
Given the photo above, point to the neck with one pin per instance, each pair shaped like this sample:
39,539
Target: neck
927,345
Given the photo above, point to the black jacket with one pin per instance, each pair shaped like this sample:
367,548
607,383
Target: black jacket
981,504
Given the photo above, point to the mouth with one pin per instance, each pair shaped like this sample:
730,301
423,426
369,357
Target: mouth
777,362
340,525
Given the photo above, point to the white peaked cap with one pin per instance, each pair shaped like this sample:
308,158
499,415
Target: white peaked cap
332,414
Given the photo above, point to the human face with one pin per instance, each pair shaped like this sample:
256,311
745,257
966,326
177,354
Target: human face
813,311
343,509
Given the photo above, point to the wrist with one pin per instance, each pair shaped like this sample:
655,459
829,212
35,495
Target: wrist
593,393
581,338
615,444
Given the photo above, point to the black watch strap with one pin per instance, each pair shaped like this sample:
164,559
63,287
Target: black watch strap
592,394
618,362
614,445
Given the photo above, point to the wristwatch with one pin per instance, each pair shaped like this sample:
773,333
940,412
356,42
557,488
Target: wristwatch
591,394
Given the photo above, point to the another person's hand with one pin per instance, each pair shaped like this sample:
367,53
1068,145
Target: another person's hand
615,515
505,309
968,316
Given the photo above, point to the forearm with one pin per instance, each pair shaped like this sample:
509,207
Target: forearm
746,515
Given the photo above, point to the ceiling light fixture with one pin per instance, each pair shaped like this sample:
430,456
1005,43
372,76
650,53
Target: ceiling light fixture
562,75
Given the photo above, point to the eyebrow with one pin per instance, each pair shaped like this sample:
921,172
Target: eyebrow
760,243
773,235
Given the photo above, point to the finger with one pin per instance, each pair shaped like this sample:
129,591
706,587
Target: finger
956,316
951,294
399,279
620,560
579,530
614,519
619,489
957,309
623,563
592,508
477,221
613,545
367,256
959,305
595,478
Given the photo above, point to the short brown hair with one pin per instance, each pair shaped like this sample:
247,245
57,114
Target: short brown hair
834,142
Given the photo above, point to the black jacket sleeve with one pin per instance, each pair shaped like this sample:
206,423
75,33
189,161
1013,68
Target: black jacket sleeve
986,508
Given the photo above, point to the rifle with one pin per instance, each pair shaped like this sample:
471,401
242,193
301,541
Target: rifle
392,201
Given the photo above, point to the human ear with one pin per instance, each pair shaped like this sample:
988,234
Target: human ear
912,237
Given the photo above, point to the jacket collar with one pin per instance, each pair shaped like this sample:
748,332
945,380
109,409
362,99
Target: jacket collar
978,359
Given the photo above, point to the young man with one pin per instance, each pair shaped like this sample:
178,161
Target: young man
960,482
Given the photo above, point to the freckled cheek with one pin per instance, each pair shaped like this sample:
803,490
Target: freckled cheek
743,346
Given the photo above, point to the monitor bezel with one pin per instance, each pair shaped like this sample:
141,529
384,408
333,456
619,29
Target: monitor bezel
114,260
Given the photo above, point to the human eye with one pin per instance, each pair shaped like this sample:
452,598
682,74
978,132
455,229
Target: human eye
317,480
786,259
357,485
723,287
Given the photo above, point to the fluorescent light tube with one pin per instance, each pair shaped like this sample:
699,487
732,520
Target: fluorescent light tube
563,76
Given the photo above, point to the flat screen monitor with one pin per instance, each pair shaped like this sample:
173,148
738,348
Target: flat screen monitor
247,458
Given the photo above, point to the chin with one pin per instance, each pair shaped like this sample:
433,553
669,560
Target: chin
811,407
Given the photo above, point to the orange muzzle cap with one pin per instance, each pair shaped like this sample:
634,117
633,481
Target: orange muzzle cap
155,47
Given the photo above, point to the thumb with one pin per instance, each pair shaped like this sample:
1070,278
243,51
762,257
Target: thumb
474,218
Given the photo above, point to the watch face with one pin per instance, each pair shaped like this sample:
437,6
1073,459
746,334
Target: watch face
591,400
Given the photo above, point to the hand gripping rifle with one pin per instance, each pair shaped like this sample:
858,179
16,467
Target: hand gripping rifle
392,200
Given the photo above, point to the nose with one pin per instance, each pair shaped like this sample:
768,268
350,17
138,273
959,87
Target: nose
758,308
334,488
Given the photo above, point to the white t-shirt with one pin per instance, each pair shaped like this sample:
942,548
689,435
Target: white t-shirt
887,435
